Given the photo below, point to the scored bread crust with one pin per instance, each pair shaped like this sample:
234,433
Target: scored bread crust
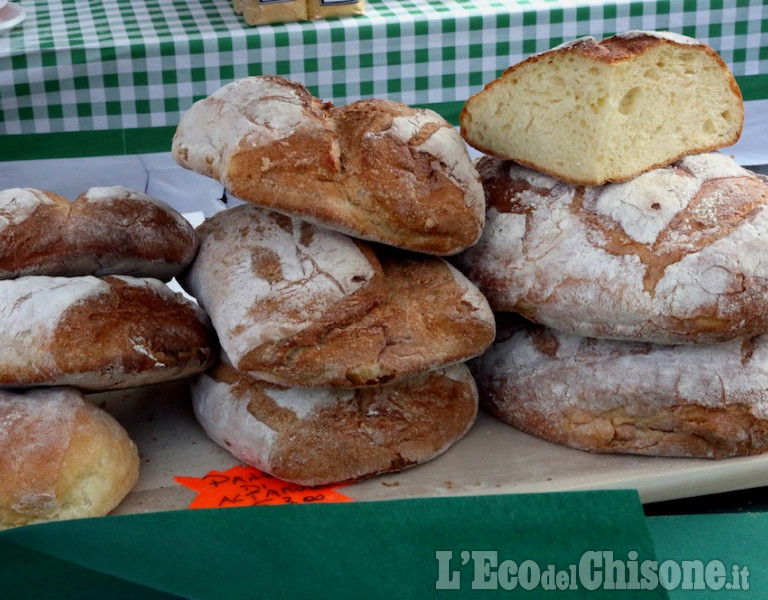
61,457
104,231
694,400
375,169
99,333
318,436
299,305
589,112
676,255
264,277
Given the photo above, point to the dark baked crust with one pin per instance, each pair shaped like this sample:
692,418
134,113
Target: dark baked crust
374,169
105,231
334,435
342,321
425,321
102,333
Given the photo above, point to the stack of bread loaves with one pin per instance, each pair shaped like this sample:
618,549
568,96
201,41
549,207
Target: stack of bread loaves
83,307
636,253
343,331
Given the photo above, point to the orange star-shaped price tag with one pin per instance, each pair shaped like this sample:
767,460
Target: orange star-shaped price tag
248,486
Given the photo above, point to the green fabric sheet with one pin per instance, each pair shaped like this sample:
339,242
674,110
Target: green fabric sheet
737,540
361,550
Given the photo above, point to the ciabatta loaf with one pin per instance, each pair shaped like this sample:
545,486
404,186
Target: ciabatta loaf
105,231
676,255
301,305
700,400
316,436
99,333
61,457
590,112
374,169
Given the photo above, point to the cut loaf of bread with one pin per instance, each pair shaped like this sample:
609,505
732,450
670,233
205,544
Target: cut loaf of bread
589,112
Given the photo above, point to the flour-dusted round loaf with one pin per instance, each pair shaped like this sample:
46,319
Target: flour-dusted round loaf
697,400
374,169
301,305
676,255
589,112
105,231
61,458
99,333
317,436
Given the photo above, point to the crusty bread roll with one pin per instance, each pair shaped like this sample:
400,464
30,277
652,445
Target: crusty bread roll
105,231
374,169
301,305
676,255
589,112
60,458
99,333
698,400
316,436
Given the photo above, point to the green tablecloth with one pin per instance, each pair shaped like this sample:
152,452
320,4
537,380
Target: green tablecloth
364,550
390,550
88,78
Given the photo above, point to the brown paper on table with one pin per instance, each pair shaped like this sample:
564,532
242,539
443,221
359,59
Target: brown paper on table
261,12
322,9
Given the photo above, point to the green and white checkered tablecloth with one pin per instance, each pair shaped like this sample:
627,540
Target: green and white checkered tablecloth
88,77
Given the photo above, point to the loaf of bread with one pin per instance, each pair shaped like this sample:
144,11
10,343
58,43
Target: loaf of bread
590,112
676,255
697,400
317,436
99,333
60,458
374,169
105,231
301,305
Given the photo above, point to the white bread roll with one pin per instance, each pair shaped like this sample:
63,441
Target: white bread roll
589,112
60,458
317,436
301,305
697,400
99,333
105,231
373,169
676,255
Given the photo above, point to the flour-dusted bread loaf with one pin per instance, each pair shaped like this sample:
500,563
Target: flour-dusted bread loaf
61,458
302,305
105,231
698,400
589,112
99,333
374,169
676,255
317,436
